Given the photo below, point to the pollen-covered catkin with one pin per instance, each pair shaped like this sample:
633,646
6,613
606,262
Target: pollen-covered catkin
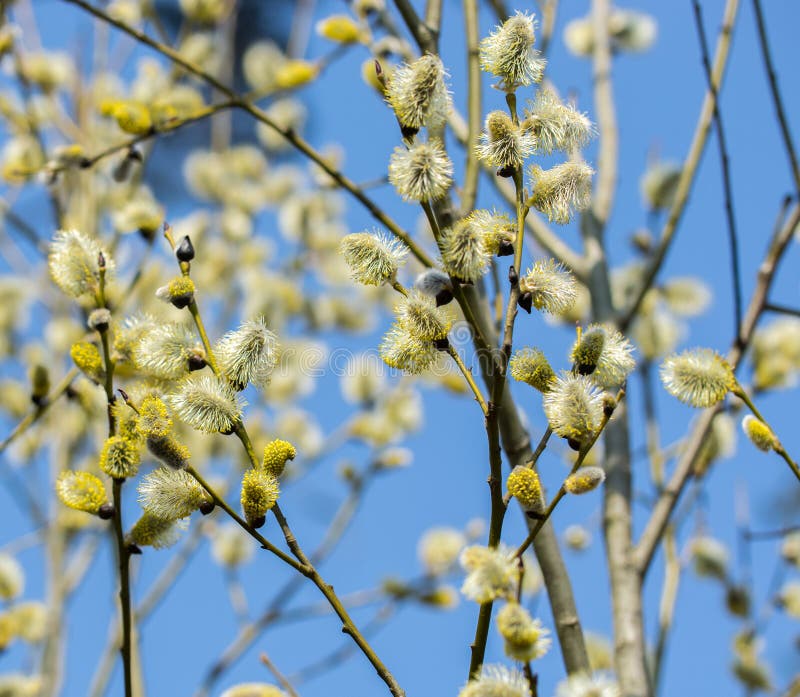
422,171
524,485
260,491
82,491
509,53
698,377
248,354
530,365
119,457
276,454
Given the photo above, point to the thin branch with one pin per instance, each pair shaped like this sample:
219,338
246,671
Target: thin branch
469,190
645,549
782,309
280,677
777,101
690,165
260,115
425,38
733,240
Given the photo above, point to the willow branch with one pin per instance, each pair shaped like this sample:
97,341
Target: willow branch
780,110
260,115
472,170
733,240
690,165
654,529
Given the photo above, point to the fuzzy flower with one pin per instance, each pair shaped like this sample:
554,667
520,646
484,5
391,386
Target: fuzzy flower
12,577
532,367
525,638
399,349
491,573
464,252
81,491
497,681
119,457
99,319
166,351
553,289
560,191
179,291
759,434
171,494
509,54
580,685
248,355
499,233
419,316
504,144
373,257
207,404
74,263
574,407
438,549
260,490
605,354
583,481
422,172
276,455
556,126
699,377
686,296
524,485
418,94
155,532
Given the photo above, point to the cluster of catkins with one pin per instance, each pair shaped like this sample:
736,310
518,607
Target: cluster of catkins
178,375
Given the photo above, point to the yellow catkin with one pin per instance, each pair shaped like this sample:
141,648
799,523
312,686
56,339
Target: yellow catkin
88,359
259,493
524,485
276,454
82,491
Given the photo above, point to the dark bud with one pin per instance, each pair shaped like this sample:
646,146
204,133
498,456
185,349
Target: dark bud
185,251
206,507
378,69
106,511
258,522
574,444
505,172
442,344
609,404
123,394
505,249
134,549
525,301
443,297
135,155
101,261
738,601
585,368
535,515
408,132
228,432
71,393
513,276
182,301
196,362
39,399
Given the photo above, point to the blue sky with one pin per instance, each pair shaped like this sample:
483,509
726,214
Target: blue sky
658,99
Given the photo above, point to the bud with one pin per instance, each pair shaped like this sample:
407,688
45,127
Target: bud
40,384
99,319
760,434
185,250
132,117
525,638
586,479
